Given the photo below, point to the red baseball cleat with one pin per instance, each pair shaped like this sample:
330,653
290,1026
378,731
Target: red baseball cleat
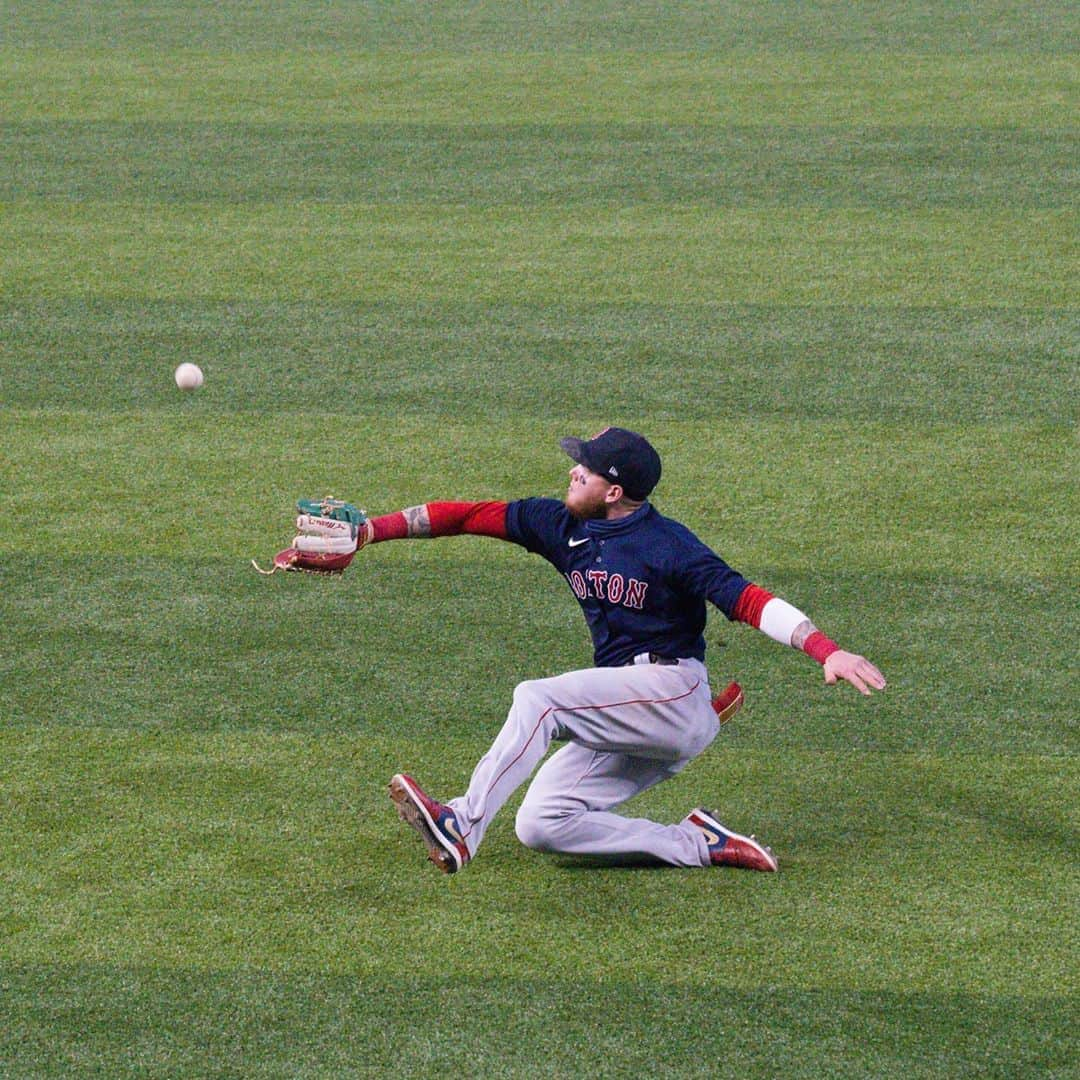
436,823
730,849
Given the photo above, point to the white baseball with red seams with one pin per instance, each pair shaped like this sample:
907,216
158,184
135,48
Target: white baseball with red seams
630,727
188,376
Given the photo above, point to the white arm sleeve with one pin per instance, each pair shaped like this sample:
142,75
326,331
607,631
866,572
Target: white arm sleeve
779,619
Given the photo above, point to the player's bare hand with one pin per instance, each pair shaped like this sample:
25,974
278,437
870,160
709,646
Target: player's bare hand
854,669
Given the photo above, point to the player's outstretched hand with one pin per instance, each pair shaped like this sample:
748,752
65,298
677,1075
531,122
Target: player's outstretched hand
854,669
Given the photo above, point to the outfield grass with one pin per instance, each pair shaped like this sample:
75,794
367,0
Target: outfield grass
824,255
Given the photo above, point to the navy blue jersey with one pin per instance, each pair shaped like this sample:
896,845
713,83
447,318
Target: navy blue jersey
642,580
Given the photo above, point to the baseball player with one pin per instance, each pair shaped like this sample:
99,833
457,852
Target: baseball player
644,711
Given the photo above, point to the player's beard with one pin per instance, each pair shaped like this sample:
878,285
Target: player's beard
587,510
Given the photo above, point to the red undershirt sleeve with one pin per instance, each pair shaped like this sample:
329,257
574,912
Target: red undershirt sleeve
446,519
751,603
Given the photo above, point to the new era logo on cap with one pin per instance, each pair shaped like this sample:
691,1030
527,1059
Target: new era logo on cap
623,455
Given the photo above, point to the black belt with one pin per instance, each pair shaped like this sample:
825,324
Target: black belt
656,658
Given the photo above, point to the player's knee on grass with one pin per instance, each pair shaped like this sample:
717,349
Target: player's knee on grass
537,830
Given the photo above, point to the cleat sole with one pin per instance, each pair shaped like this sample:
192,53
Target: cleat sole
415,817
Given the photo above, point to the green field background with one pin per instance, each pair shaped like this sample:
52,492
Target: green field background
824,255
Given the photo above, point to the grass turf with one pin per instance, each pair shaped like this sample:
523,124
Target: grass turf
823,255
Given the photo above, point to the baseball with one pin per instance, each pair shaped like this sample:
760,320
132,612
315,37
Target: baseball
189,376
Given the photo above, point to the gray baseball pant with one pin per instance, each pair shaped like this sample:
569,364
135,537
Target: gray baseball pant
627,729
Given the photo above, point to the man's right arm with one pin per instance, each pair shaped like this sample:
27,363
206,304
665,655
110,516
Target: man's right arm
743,601
786,624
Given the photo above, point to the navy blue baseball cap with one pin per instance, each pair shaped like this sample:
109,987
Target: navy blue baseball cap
623,457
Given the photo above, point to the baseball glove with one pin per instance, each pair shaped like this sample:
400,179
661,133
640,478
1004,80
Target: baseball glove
329,533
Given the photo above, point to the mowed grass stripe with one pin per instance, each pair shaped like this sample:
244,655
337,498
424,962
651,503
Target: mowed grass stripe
282,852
592,26
705,362
844,87
981,498
670,255
121,1020
525,165
205,645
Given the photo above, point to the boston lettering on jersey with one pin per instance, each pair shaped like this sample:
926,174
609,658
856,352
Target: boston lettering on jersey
613,588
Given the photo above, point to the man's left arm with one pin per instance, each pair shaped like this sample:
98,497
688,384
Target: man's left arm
333,531
788,625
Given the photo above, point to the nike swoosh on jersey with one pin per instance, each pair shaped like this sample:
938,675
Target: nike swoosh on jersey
577,543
